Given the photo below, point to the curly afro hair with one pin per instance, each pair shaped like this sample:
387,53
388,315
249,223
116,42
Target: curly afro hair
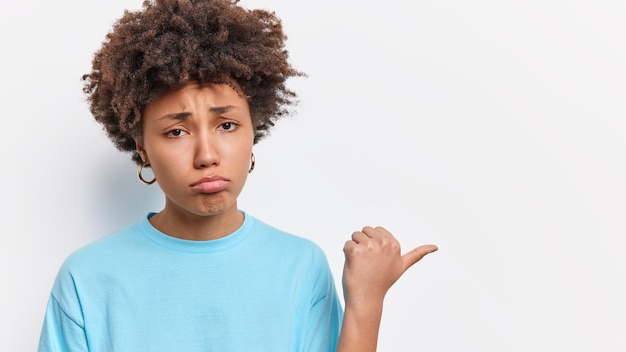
168,43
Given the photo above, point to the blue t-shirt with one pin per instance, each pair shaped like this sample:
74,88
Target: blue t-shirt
257,289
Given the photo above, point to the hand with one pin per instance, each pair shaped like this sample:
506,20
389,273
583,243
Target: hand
374,263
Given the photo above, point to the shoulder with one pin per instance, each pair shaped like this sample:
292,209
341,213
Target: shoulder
287,246
88,262
286,240
293,253
107,248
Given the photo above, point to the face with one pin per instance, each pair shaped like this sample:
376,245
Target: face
198,141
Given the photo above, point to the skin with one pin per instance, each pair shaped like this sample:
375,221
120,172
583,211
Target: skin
196,132
191,133
373,264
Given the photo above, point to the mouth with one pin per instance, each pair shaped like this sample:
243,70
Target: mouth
210,184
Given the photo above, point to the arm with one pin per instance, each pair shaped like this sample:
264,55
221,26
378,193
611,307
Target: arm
60,332
373,264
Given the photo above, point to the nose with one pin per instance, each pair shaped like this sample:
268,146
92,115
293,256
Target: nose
206,152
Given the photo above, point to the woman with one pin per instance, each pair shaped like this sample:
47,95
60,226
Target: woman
188,87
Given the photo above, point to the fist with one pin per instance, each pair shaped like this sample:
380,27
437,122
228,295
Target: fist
374,262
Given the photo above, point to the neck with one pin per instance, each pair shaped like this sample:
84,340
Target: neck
189,226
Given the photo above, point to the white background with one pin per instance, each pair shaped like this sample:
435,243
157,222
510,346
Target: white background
494,129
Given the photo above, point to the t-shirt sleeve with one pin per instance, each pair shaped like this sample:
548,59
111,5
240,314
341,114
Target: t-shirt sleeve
60,332
63,325
326,313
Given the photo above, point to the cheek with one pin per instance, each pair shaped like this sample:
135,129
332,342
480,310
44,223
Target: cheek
166,161
247,150
239,148
242,156
164,171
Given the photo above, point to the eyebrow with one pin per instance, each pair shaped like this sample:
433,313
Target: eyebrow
183,115
176,116
221,109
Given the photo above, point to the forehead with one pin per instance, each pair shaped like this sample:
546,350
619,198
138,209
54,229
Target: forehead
193,95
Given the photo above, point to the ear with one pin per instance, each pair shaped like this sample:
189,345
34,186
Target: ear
140,149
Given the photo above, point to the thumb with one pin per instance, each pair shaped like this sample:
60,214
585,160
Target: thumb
416,254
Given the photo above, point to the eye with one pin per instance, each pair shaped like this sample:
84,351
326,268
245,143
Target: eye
177,132
228,126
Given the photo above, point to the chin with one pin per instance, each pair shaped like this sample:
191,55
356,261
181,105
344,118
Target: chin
214,207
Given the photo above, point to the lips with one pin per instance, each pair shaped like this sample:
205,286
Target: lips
211,184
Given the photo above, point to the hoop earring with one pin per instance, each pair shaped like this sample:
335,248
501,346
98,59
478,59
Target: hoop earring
252,162
140,169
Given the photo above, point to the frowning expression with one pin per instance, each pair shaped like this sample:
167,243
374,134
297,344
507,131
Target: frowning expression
198,141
